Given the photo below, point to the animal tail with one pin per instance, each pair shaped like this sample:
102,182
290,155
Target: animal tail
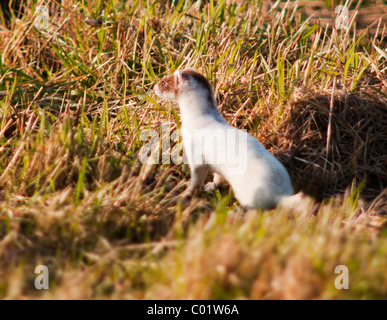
299,203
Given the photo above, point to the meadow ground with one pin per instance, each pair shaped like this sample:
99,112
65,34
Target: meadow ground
76,102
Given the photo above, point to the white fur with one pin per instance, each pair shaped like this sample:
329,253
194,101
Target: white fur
257,178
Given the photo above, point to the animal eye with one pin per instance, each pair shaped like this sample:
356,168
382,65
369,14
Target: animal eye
163,83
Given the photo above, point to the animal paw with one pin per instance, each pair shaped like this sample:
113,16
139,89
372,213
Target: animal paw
187,194
210,187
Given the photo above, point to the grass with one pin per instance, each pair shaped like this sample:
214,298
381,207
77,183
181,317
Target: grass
75,102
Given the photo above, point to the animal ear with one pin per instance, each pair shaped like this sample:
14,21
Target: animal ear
179,77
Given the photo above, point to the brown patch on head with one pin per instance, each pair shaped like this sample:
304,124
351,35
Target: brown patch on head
202,82
200,79
185,81
168,84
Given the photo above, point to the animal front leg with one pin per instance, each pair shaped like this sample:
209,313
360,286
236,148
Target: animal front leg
198,174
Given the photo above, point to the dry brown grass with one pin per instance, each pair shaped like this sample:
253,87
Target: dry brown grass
327,146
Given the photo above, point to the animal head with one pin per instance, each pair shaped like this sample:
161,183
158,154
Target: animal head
183,82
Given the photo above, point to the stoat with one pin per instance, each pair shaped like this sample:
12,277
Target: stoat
257,178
